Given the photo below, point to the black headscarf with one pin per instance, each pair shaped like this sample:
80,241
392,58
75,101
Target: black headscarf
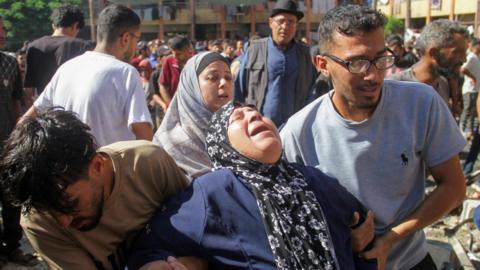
294,221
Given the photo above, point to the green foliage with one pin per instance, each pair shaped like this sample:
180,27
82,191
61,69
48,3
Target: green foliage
28,19
394,26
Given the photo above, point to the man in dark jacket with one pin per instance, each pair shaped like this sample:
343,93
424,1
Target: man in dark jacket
276,73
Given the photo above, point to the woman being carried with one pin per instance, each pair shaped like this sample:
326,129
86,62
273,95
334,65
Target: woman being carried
256,211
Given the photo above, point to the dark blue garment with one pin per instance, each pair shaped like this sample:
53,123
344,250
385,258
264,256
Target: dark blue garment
472,153
217,219
282,73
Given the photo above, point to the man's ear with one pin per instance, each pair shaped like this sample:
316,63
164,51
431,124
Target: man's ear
321,65
96,164
75,26
124,38
432,53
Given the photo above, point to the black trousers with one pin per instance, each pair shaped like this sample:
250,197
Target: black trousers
11,233
426,264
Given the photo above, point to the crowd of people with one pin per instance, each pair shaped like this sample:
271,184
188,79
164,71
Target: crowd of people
232,154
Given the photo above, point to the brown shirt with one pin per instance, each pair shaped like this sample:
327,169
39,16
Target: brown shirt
144,176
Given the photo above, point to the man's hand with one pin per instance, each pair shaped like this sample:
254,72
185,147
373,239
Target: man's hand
381,249
170,264
364,234
175,264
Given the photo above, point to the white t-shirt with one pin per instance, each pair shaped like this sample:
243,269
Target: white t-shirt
473,65
105,92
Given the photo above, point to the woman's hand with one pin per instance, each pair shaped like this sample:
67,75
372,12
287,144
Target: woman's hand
363,234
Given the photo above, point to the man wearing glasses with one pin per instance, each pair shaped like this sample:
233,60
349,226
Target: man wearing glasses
378,138
443,46
276,74
100,86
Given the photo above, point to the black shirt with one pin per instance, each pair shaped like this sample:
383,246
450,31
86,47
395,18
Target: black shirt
46,54
10,91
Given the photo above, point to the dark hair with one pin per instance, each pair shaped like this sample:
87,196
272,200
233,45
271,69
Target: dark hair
215,42
114,20
42,156
178,43
67,15
22,50
439,34
349,20
394,40
229,43
474,41
208,59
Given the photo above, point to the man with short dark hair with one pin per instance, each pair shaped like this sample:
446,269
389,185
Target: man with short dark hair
276,73
10,97
182,50
83,205
215,46
46,54
378,138
101,86
404,59
442,46
229,50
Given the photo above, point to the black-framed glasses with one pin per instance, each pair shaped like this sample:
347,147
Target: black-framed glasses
363,65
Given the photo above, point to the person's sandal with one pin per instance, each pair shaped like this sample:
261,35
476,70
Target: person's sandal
25,259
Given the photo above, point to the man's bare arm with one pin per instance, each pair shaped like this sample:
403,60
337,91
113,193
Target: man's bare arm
142,131
467,73
31,112
165,94
29,93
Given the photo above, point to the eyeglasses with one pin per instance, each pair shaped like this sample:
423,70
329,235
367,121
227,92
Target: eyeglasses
363,65
285,22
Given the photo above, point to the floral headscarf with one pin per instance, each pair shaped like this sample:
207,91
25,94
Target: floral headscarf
294,221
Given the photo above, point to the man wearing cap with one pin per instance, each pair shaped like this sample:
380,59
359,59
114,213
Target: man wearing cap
143,53
276,73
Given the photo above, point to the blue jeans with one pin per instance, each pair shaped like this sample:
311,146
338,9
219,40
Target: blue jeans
472,154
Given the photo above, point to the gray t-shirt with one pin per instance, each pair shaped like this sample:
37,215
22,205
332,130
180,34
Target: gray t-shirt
382,160
443,88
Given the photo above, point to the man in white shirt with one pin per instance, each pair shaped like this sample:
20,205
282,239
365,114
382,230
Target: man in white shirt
100,86
471,70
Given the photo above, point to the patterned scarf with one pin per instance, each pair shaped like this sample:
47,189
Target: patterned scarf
293,219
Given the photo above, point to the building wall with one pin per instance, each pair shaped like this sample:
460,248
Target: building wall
419,8
207,19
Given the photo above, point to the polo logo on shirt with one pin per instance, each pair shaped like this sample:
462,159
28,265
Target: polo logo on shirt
404,158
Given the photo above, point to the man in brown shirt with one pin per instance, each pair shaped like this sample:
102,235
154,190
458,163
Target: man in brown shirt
83,205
